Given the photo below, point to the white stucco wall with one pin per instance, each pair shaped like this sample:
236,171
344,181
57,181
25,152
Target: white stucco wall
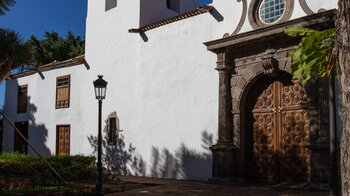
41,113
316,5
162,85
155,10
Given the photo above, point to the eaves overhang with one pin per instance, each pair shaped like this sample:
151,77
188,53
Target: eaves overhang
195,12
51,66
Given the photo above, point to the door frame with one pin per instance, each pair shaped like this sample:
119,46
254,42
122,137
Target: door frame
20,139
57,136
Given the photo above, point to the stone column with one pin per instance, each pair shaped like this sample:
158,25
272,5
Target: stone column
225,115
223,151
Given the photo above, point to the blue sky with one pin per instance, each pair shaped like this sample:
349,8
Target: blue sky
34,17
203,2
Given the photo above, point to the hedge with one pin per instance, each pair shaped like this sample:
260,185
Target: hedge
71,168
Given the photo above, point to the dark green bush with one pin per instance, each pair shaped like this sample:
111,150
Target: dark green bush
71,168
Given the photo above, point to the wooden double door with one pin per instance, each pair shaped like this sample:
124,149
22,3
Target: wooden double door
278,131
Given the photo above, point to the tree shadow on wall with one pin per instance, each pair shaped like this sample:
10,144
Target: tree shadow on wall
119,157
37,133
185,162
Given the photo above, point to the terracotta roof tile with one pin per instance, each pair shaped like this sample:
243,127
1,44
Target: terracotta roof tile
54,65
197,11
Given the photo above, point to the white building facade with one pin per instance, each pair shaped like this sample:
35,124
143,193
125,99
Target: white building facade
162,88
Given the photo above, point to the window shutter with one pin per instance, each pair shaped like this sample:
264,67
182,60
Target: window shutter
62,92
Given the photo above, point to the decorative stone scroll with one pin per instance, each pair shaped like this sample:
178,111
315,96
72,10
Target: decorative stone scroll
243,16
270,64
305,7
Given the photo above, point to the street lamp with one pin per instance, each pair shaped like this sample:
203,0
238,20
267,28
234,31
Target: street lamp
100,92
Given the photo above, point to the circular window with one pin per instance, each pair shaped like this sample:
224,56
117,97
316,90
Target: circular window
270,11
263,13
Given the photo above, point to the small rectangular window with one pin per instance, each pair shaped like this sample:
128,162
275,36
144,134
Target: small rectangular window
173,5
112,131
110,4
22,99
62,92
168,4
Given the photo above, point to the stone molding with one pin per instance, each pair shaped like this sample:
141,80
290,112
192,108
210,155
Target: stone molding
277,29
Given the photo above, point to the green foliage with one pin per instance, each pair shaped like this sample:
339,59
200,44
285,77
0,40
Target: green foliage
314,56
5,4
13,52
69,167
56,48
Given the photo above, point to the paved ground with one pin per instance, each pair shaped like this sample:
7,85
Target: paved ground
186,187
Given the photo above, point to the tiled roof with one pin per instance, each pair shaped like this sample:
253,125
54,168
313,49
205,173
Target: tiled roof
54,65
197,11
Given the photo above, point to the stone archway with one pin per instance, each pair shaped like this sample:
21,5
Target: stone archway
242,60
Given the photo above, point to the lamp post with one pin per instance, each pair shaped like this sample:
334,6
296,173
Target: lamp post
100,92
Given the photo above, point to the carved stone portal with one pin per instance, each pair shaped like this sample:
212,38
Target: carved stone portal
273,135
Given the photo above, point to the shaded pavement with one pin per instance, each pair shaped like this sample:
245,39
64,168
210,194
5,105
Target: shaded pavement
187,187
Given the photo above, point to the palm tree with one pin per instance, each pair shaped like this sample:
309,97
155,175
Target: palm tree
13,52
5,4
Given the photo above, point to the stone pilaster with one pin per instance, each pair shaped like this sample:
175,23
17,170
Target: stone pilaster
225,116
223,151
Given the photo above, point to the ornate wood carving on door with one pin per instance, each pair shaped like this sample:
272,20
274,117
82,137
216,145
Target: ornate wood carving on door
278,131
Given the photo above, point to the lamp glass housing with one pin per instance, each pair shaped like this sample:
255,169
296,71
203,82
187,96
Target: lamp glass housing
100,88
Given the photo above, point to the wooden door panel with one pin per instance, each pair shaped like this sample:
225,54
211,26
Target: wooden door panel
264,137
293,94
264,146
280,132
266,100
63,140
294,154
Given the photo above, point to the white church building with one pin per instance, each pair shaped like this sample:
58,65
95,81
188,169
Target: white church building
180,79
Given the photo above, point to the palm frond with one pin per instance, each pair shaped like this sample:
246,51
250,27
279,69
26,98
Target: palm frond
5,4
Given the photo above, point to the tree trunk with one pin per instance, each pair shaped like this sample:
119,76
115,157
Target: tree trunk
342,50
5,70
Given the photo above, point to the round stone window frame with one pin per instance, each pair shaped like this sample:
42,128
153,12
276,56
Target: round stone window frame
254,18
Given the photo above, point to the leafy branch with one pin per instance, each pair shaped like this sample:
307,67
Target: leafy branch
314,57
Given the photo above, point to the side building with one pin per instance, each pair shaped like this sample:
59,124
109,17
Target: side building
166,100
